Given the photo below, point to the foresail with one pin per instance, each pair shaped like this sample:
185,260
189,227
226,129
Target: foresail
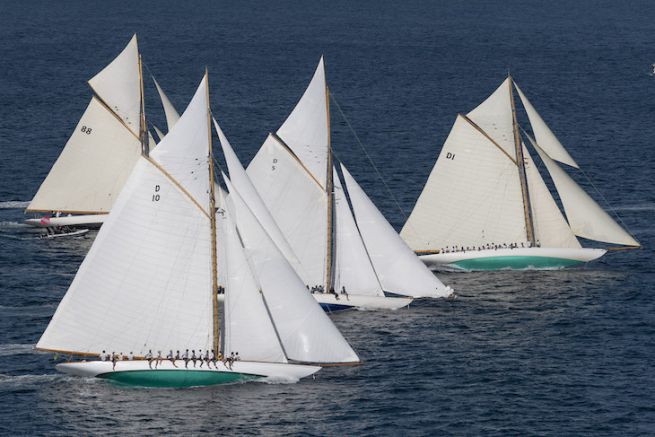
297,203
145,283
93,167
119,86
551,229
586,218
472,197
494,117
248,192
248,326
306,332
544,136
398,268
306,130
353,269
169,110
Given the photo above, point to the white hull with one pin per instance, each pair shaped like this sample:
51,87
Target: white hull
363,302
69,220
274,371
527,258
77,233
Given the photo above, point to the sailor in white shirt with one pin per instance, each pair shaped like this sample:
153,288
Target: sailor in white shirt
103,356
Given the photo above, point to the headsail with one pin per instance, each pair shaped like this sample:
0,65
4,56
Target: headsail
248,326
544,136
169,110
239,178
119,86
146,282
398,268
551,228
586,218
306,332
353,269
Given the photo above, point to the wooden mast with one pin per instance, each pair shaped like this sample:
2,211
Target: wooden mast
212,221
143,130
520,162
330,199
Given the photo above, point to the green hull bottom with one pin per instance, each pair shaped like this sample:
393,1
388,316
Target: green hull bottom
515,262
176,378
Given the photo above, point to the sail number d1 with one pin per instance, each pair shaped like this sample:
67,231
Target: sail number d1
155,197
450,156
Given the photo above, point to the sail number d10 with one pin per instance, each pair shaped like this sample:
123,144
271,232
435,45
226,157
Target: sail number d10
155,197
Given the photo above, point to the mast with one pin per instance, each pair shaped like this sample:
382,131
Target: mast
520,162
143,131
330,200
212,221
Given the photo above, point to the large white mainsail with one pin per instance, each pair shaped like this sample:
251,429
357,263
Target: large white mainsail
398,268
586,218
353,270
472,197
306,332
92,168
290,173
146,282
103,149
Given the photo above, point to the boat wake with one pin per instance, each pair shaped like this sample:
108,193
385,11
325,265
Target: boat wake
7,350
279,380
14,204
648,206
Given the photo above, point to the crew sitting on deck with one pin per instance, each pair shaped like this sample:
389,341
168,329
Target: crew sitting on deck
171,357
148,357
103,356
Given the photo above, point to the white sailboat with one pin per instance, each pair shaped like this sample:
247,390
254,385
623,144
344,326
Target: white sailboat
485,205
150,281
294,178
84,182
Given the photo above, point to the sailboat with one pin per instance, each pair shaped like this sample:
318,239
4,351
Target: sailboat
150,281
294,178
485,205
84,182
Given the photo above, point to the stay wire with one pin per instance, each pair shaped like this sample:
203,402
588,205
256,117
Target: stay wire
368,156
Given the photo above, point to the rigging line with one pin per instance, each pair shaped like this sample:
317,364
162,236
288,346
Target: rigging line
368,157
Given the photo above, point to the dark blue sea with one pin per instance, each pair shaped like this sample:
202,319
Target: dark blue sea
516,353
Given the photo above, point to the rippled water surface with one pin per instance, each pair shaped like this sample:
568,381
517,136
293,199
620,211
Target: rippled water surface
518,353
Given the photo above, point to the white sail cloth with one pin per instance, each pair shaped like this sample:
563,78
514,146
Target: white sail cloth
93,167
472,197
169,110
119,86
240,180
306,332
297,203
398,268
586,218
550,227
306,130
494,116
248,328
544,136
353,270
146,282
